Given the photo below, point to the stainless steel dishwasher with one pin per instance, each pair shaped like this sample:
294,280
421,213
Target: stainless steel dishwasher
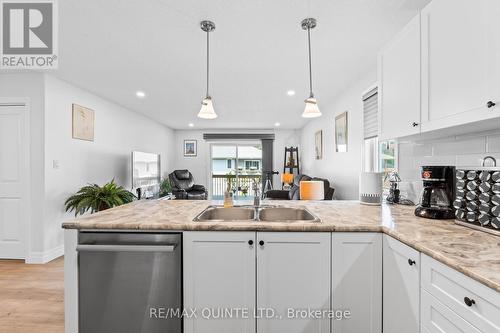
129,281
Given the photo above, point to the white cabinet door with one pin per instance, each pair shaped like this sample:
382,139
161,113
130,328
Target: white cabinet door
399,84
438,318
357,281
219,273
401,287
456,62
494,54
293,272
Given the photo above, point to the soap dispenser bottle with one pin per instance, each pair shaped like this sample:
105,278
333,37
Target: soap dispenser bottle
228,197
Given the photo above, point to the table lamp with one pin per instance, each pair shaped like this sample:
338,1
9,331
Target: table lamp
287,179
312,190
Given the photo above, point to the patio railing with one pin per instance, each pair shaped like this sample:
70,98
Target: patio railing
242,187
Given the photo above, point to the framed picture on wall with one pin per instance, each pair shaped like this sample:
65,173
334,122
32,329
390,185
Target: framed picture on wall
318,145
341,131
190,148
83,123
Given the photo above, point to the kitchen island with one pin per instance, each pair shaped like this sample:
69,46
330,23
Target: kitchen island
442,244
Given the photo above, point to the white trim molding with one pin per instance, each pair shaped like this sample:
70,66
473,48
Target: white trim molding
44,257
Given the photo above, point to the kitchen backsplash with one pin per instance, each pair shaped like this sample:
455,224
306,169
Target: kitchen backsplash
462,151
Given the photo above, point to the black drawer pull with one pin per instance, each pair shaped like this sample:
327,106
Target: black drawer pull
250,242
261,243
411,262
469,301
490,104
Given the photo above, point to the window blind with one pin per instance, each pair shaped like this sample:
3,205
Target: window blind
370,114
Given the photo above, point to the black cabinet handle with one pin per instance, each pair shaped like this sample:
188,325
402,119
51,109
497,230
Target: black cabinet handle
411,262
469,301
250,242
490,104
261,243
414,124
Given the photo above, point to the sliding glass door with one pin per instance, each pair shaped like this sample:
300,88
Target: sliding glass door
238,165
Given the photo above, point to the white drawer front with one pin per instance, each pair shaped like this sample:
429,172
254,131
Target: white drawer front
437,318
451,288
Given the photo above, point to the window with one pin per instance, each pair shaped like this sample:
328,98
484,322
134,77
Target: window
387,157
377,156
229,164
252,165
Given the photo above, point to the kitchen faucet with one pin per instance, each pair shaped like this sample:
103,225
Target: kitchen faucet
256,193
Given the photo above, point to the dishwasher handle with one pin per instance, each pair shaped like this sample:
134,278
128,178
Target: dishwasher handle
125,248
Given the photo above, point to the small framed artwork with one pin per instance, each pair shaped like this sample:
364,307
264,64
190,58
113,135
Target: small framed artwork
341,132
83,123
190,148
318,144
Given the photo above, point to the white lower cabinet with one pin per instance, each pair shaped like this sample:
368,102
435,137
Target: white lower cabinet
270,282
277,271
293,275
357,281
473,302
438,318
401,287
219,273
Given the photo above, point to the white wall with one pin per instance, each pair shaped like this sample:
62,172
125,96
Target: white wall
200,165
118,131
341,169
461,150
23,85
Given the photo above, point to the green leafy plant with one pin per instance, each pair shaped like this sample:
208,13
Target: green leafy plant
165,187
96,198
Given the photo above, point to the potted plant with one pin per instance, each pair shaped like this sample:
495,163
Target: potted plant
165,187
96,198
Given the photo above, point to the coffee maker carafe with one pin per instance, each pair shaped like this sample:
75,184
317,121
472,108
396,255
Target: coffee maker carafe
438,193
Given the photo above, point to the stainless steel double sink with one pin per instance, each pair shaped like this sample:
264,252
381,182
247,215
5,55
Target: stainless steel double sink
255,213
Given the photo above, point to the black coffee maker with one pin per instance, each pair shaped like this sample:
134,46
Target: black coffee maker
436,200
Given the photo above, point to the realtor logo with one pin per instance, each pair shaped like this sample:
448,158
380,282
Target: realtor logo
29,34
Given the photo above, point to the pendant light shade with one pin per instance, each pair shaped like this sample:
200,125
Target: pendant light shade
311,110
207,108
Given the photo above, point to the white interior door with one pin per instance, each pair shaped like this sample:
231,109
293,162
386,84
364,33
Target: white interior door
14,168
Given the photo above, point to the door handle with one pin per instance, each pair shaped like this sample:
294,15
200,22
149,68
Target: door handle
414,124
125,248
490,104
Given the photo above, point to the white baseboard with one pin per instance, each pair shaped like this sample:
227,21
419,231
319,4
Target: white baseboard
45,256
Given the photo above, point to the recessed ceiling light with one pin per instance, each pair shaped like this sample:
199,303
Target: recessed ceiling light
290,92
277,124
140,94
191,125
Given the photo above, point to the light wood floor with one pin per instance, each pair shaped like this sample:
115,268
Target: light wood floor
31,297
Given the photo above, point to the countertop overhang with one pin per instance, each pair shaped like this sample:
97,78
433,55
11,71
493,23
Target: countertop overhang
474,253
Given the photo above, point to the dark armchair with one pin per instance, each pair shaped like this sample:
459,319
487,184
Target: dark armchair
183,186
294,192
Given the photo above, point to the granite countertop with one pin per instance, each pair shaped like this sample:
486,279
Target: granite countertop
472,252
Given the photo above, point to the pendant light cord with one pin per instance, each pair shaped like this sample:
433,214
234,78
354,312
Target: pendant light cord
310,63
208,61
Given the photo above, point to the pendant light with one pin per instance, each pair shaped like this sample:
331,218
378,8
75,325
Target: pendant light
207,108
311,110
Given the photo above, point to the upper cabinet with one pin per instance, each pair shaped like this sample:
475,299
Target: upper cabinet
399,84
442,70
459,65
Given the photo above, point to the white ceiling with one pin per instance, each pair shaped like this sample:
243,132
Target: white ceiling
258,51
